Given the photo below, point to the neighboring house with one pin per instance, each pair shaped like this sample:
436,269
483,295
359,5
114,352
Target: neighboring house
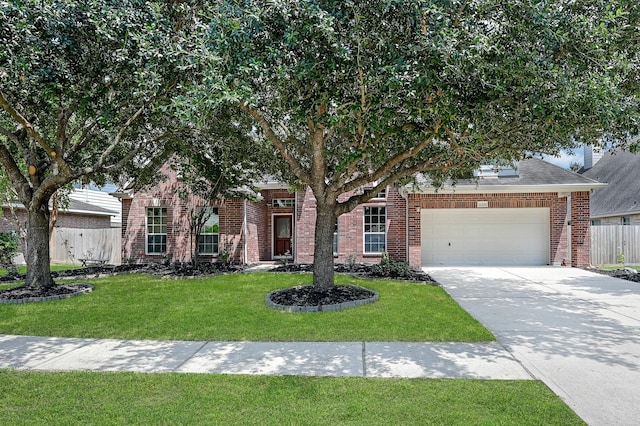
511,217
619,202
100,199
77,214
82,229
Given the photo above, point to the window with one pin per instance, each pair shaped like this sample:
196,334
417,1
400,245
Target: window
625,220
381,194
156,230
596,222
335,237
284,202
208,238
375,219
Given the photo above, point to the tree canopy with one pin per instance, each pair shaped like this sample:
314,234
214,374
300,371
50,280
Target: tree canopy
356,95
86,92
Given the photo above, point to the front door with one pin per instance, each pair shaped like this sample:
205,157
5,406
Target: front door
283,233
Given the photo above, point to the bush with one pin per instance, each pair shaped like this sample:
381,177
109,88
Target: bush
391,268
9,244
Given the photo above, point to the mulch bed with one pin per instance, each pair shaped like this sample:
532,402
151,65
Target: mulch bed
622,273
361,270
309,296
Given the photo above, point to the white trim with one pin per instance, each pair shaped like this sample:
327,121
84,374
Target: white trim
386,230
146,231
273,234
500,189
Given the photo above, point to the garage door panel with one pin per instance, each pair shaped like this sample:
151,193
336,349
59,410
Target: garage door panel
485,236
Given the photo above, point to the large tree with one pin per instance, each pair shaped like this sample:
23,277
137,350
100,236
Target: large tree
86,90
356,95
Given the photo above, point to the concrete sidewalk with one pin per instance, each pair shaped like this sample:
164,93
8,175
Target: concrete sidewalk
359,359
577,331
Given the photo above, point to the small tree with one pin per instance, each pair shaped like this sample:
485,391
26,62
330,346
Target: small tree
9,248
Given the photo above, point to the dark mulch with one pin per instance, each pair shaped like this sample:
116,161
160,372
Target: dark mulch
362,271
622,273
25,293
309,296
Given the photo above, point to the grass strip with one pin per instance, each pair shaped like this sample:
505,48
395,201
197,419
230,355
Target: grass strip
232,307
43,398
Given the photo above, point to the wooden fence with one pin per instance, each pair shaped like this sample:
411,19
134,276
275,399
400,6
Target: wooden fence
69,245
611,244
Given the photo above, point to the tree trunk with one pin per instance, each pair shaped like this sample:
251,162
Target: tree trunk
323,271
37,253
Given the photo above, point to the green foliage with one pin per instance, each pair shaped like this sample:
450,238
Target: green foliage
354,96
9,247
391,268
450,84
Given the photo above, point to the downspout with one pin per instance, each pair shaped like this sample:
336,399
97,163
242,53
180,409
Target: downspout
295,228
244,232
405,196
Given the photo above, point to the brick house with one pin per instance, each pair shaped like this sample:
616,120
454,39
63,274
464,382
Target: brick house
517,217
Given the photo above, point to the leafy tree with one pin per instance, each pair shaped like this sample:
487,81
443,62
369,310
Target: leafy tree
356,95
575,166
86,90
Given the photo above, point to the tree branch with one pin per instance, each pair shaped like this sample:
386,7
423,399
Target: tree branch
390,164
26,124
82,140
18,180
295,165
357,199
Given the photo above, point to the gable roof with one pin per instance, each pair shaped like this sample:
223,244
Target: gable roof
534,175
621,170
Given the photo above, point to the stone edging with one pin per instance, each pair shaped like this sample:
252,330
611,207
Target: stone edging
82,288
321,308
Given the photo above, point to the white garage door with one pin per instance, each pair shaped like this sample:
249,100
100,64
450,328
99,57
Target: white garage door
485,236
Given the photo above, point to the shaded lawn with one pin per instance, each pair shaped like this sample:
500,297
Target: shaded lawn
232,307
43,398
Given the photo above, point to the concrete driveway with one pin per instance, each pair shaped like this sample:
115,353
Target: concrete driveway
577,331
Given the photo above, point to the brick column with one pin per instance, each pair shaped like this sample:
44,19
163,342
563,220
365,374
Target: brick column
580,230
415,238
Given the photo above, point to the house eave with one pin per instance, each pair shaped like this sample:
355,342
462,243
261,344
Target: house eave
615,214
561,189
123,195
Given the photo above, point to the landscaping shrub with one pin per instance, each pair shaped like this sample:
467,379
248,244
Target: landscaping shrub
391,268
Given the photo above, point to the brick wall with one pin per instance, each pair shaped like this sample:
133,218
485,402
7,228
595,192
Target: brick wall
179,241
351,229
580,230
557,211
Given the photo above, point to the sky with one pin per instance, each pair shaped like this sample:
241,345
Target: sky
565,160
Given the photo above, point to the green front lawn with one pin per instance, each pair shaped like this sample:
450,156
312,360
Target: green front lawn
232,307
42,398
